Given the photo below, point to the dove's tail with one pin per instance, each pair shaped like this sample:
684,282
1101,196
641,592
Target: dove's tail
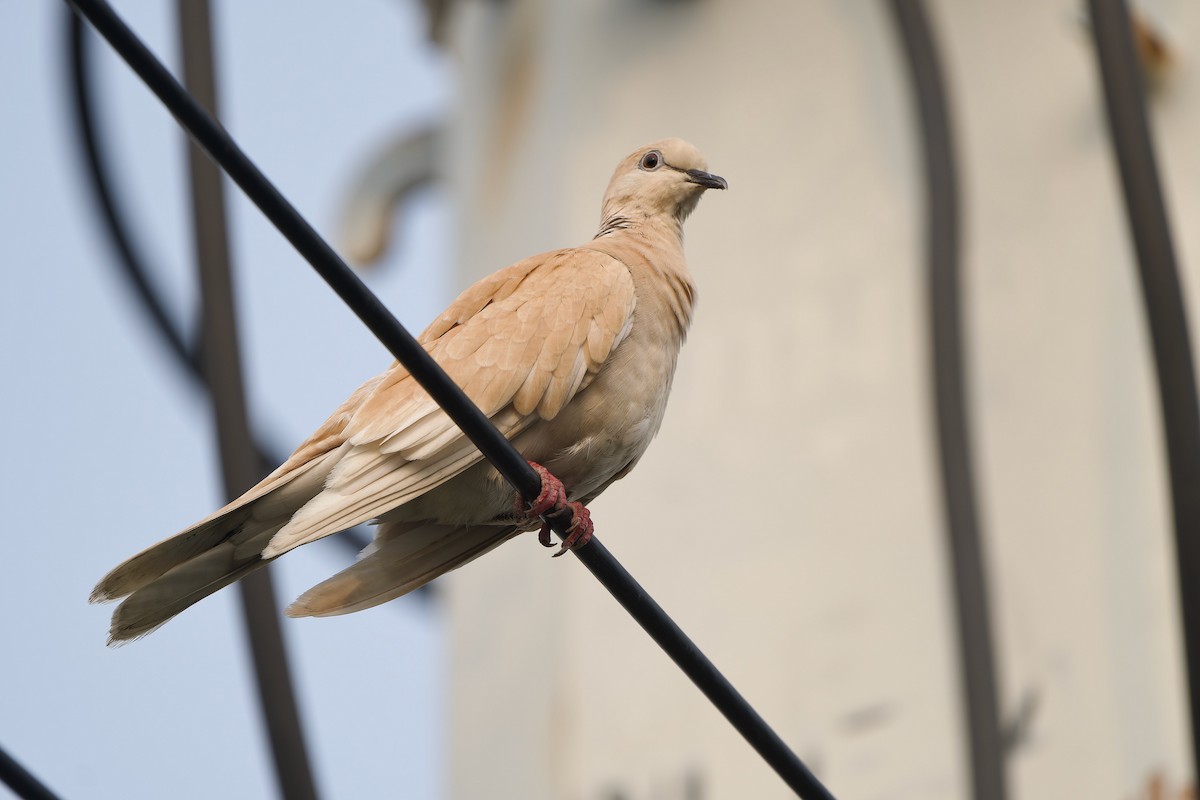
162,598
403,557
167,578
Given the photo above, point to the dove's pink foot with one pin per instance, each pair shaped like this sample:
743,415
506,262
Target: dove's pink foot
552,497
579,532
552,502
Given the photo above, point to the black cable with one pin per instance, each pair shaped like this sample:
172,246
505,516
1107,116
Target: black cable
1166,315
433,379
130,260
131,264
965,539
21,781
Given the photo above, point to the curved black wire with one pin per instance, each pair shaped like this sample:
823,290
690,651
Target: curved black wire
129,261
21,781
976,649
1166,314
132,264
477,427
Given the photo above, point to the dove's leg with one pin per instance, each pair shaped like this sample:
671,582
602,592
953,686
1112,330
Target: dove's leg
552,502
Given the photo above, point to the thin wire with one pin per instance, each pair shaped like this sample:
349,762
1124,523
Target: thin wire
22,782
222,367
965,539
450,397
131,265
1166,314
131,261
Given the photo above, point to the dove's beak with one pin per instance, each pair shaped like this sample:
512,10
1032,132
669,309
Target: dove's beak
706,179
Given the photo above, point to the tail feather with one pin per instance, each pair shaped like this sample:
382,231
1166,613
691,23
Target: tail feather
269,504
404,557
167,578
156,560
186,584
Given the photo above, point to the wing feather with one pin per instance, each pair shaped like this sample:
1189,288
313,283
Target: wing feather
521,343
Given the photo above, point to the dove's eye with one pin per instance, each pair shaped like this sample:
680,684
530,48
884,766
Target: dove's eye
651,161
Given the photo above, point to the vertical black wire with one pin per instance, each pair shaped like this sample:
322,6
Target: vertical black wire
21,781
976,650
240,465
1166,314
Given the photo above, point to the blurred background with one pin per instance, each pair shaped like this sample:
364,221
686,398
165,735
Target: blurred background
790,515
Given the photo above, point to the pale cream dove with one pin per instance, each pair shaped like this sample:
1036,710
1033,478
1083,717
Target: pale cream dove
570,353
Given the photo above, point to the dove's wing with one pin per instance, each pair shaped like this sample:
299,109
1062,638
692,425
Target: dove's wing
521,343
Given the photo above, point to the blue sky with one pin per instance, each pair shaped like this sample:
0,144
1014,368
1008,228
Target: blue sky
110,450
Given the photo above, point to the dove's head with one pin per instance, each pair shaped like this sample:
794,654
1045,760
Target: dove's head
661,180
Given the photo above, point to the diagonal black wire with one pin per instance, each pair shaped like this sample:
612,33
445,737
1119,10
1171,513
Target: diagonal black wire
1166,314
130,262
433,379
21,781
976,649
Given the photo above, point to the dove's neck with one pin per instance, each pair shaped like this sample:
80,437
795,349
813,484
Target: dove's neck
624,215
652,248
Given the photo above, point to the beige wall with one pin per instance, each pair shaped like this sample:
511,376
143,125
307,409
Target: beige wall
789,514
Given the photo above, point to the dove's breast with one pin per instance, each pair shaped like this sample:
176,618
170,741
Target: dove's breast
607,427
604,429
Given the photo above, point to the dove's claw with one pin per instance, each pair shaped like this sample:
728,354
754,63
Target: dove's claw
552,496
552,502
580,531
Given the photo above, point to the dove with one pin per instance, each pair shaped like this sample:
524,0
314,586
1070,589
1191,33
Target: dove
571,355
